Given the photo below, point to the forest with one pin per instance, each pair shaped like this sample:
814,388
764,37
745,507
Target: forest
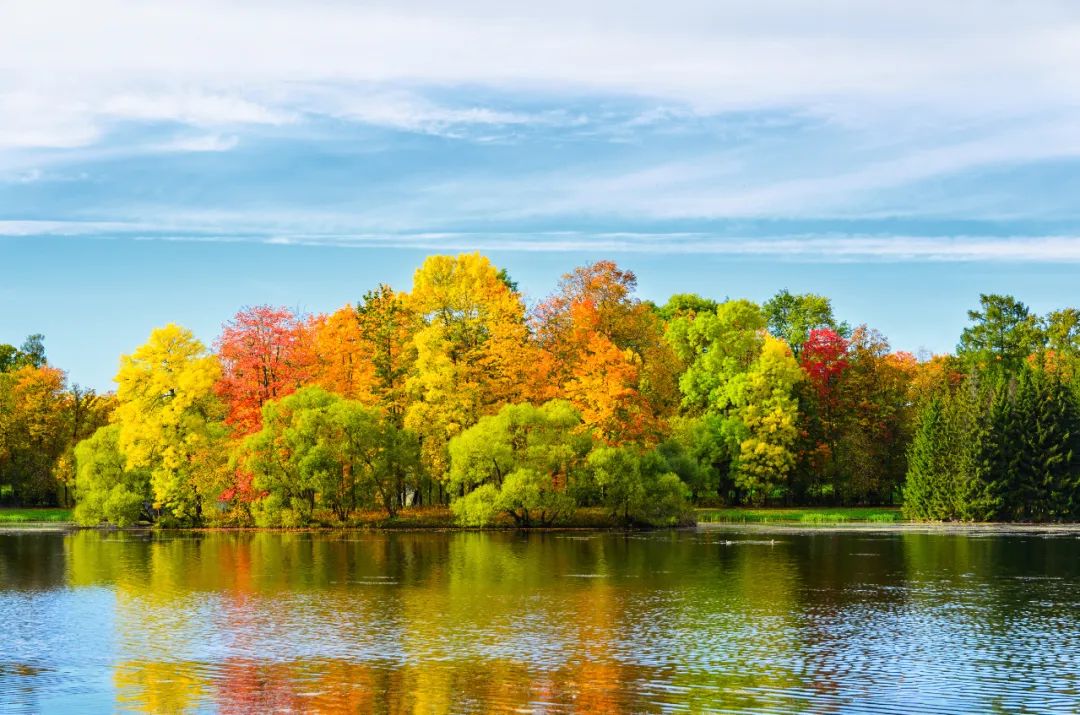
460,394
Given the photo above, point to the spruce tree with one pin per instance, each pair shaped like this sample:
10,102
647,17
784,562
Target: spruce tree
1052,449
922,491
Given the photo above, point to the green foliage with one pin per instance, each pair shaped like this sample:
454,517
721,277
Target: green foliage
791,317
638,488
1007,453
522,461
686,305
716,347
697,452
477,508
1004,334
320,451
109,491
30,354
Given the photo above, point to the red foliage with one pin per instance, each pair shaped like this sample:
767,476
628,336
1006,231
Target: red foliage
265,354
824,358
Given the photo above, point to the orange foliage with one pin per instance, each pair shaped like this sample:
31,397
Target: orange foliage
344,364
265,354
605,351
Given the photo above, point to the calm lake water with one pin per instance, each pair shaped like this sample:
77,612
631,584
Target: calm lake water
709,620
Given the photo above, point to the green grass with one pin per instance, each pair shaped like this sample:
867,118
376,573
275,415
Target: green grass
801,515
34,515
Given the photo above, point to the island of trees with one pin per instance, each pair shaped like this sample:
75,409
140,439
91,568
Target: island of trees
459,393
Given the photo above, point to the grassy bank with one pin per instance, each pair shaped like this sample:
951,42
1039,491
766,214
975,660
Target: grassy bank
441,518
34,516
801,515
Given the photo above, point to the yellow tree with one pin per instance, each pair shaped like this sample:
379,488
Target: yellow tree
768,412
473,352
171,421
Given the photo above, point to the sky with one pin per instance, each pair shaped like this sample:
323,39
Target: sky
175,161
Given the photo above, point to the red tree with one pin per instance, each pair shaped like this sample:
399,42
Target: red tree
265,354
824,359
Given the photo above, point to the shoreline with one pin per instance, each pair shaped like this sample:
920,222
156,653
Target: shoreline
776,527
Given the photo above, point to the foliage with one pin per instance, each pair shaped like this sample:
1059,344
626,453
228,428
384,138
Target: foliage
318,451
1007,453
472,350
522,461
638,487
171,422
1004,333
108,490
455,394
265,354
793,318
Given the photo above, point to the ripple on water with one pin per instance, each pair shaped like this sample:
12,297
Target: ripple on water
901,623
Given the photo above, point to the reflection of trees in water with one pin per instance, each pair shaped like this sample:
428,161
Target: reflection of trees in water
31,561
431,622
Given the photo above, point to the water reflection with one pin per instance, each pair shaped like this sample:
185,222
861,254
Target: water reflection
470,622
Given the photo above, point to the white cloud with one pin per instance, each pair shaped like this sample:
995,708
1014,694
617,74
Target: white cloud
204,143
197,108
714,55
921,89
803,248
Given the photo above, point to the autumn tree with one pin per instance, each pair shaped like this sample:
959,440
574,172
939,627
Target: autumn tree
387,324
342,355
265,354
607,353
473,353
172,422
34,406
766,411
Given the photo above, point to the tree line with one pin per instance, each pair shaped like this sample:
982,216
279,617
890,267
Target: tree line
459,393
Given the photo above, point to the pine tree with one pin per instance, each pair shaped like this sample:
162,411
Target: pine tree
1052,449
986,493
922,492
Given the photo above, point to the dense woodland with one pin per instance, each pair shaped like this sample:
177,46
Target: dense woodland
460,393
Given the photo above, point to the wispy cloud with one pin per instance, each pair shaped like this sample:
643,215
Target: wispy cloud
412,116
202,143
802,248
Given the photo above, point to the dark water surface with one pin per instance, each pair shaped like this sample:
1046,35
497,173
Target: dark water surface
710,620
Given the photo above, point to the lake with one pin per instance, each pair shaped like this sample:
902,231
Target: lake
717,619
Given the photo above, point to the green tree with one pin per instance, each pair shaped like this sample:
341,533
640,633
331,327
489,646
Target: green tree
317,450
716,347
791,317
107,490
927,470
767,414
522,461
1003,334
638,487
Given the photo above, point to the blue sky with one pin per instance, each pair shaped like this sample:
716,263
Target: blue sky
175,161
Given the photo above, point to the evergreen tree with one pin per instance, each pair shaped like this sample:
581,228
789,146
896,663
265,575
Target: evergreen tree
925,459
